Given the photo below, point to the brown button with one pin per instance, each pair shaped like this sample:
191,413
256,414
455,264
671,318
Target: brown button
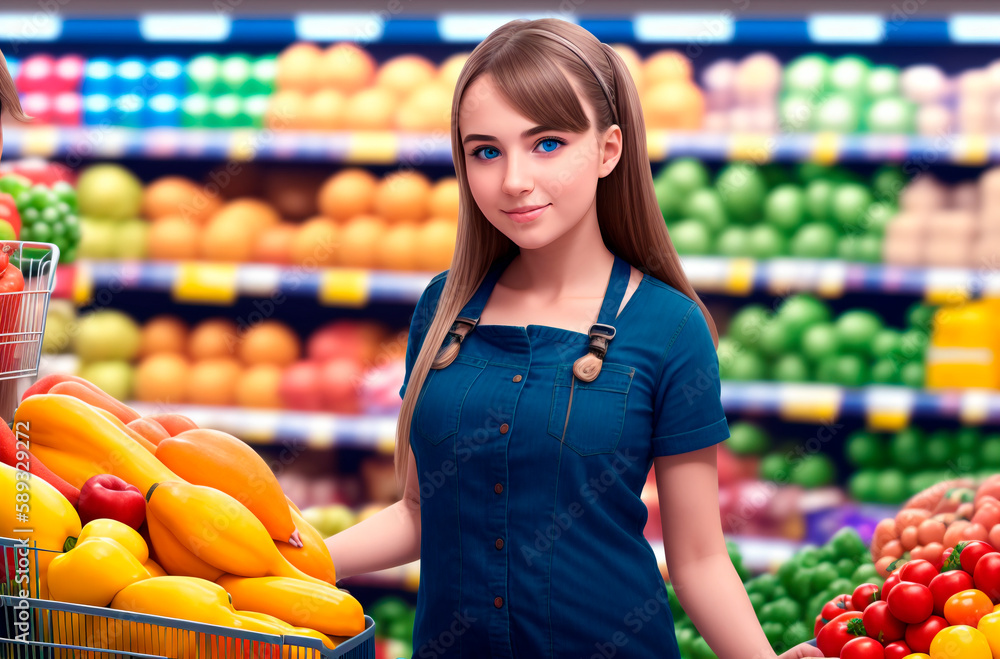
498,602
517,378
504,428
498,488
499,543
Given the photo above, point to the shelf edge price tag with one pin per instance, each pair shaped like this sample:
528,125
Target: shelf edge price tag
83,283
947,286
888,408
755,148
206,283
826,149
740,276
974,408
344,287
810,403
373,146
971,150
41,141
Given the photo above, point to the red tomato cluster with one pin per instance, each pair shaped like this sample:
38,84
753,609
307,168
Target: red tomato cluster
917,601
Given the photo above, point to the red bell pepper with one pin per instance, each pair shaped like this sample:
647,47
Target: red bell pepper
11,294
9,212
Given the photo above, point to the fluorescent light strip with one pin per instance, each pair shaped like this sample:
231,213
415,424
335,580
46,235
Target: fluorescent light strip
974,28
694,28
185,27
340,27
461,28
38,26
846,28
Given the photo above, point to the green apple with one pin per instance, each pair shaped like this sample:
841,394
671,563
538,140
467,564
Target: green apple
114,377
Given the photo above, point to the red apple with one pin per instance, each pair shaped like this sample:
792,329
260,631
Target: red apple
339,381
107,496
347,338
299,387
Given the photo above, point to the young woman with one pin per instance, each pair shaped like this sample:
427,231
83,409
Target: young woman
10,104
562,356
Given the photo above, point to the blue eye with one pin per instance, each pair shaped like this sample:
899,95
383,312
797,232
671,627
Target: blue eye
490,151
549,145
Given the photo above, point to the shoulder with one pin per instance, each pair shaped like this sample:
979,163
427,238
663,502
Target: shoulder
432,292
667,306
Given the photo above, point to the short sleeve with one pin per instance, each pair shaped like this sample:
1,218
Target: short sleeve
688,412
423,314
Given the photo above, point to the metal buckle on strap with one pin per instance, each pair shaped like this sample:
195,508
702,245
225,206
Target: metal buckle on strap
462,320
600,337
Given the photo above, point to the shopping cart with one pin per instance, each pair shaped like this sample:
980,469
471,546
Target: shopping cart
22,319
44,629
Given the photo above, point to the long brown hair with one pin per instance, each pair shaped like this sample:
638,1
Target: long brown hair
9,101
526,59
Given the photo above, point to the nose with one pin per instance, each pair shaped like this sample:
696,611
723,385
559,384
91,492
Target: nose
517,179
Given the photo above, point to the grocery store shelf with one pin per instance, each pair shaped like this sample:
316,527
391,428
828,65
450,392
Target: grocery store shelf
469,28
759,555
312,430
222,283
85,282
389,147
884,407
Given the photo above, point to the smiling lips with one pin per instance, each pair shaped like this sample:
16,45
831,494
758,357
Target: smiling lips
524,214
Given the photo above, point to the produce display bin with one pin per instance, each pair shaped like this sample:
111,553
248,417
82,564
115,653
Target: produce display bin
22,318
44,629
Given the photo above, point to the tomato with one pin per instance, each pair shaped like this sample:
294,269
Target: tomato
836,606
971,552
838,632
818,625
881,624
890,583
919,636
862,648
897,650
961,641
9,212
967,607
864,595
911,602
918,571
947,584
987,575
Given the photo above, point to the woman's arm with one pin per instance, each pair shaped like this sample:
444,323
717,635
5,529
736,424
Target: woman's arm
384,540
703,576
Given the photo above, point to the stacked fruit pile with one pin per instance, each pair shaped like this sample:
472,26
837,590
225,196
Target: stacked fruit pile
769,211
891,468
802,342
42,213
124,503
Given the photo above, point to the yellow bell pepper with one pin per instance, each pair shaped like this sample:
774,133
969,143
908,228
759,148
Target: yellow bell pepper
128,537
283,628
35,513
93,572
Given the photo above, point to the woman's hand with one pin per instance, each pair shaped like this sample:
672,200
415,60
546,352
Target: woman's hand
801,650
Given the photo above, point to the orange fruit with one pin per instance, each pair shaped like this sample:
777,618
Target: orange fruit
444,198
227,239
397,249
254,214
274,244
315,244
425,110
347,193
297,67
675,104
666,65
403,196
404,73
324,110
632,61
161,334
213,381
450,69
258,387
286,110
345,67
359,239
162,378
174,239
172,196
370,109
270,342
436,245
213,338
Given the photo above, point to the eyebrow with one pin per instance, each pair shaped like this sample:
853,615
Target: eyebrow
477,137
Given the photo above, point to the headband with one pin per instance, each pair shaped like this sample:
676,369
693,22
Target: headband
576,51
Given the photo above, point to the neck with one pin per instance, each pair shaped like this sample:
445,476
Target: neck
574,265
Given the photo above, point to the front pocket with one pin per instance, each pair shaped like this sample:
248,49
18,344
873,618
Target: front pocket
439,407
589,416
